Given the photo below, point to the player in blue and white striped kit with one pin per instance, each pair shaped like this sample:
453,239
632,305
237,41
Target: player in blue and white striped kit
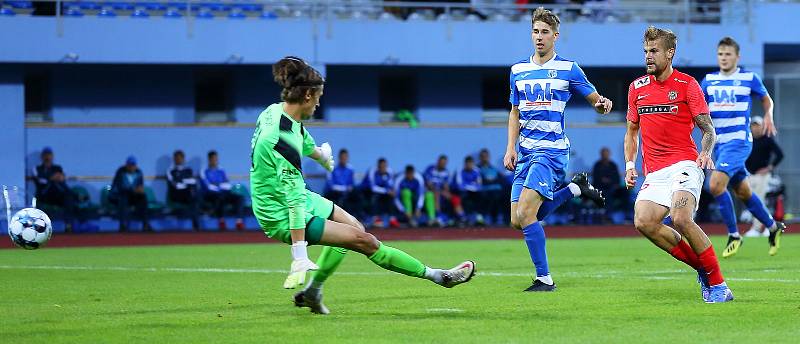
541,85
729,92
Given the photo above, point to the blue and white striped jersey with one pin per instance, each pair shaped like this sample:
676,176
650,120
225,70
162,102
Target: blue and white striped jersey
541,93
728,98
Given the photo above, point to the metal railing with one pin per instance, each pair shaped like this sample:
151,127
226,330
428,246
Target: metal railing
785,87
686,11
328,11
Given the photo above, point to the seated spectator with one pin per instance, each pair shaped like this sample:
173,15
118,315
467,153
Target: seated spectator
128,190
340,184
437,186
378,185
606,178
491,189
217,192
467,184
182,189
410,191
52,190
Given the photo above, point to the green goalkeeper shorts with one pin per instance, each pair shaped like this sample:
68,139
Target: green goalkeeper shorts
318,209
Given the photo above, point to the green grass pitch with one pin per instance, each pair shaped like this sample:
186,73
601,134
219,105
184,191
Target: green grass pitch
609,290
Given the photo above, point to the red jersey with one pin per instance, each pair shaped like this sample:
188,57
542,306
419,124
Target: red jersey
665,112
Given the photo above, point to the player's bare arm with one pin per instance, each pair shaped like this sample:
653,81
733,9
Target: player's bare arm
769,128
703,121
602,105
631,150
510,159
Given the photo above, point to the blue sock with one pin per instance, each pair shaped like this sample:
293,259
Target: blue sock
760,211
667,220
559,198
534,238
726,210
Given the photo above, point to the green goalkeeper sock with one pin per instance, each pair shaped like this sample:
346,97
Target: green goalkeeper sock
430,205
395,260
328,262
405,197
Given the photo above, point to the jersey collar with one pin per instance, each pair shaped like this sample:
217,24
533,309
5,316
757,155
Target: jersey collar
665,80
543,64
738,69
283,112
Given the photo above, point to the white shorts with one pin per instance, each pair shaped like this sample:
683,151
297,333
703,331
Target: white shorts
659,186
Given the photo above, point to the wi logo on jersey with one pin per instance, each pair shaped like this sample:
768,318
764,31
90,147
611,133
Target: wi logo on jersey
725,96
538,93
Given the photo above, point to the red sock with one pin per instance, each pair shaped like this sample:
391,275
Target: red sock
694,260
711,266
683,252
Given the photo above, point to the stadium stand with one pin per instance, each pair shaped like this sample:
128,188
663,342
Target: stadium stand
445,64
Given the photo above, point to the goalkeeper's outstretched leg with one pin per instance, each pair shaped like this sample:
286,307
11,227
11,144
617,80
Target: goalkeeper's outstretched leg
349,234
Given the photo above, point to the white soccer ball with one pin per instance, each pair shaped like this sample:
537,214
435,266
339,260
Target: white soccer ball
30,228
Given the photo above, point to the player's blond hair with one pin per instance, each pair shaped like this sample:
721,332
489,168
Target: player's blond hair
665,35
729,41
545,16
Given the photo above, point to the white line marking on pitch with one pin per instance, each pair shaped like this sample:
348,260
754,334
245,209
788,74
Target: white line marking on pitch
603,275
445,310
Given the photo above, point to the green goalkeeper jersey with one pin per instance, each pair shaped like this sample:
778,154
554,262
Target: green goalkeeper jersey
276,176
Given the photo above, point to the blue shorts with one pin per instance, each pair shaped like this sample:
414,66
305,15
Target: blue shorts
541,172
729,158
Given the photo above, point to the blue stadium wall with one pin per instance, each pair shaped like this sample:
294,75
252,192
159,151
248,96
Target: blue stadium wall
99,117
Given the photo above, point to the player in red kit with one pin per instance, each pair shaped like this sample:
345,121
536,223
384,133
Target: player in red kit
664,106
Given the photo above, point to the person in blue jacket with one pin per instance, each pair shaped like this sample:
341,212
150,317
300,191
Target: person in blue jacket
127,190
467,184
217,191
340,185
410,195
379,185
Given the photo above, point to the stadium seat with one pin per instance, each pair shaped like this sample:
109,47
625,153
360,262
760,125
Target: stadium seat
106,208
122,6
153,205
181,6
458,14
241,190
154,6
107,12
297,14
358,15
20,4
204,13
415,17
87,5
173,12
269,15
6,11
499,17
237,13
140,12
217,7
386,16
247,204
74,11
254,8
83,201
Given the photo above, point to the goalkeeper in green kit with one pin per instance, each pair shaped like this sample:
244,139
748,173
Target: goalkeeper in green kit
288,212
